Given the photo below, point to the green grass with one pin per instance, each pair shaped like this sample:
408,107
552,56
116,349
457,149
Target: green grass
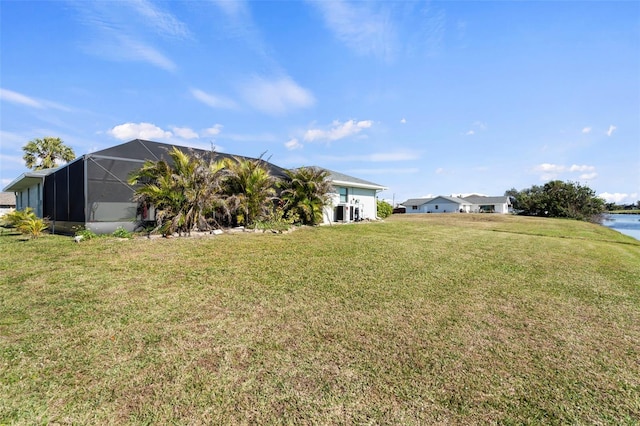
422,319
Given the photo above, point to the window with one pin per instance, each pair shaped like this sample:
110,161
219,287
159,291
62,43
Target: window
436,207
414,207
344,194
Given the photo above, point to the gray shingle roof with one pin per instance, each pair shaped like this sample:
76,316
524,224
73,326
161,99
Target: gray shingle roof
7,199
416,201
480,199
341,177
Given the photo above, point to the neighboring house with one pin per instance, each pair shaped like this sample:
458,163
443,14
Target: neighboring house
469,204
354,199
92,190
7,202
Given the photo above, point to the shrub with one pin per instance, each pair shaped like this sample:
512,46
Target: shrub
33,226
14,218
120,232
384,209
86,234
278,220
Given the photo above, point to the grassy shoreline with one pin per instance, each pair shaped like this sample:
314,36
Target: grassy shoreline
456,319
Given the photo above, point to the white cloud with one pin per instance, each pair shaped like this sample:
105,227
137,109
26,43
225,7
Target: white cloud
131,49
475,127
620,198
403,121
582,168
19,98
480,125
360,27
586,130
185,133
163,22
439,171
612,128
550,171
276,97
549,168
117,31
213,131
338,130
213,101
293,144
588,176
128,131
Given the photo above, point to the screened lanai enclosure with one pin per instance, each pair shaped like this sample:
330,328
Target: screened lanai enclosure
92,191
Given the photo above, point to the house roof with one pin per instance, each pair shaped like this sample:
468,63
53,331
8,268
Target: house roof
29,178
7,199
143,150
481,199
416,201
472,199
454,200
338,178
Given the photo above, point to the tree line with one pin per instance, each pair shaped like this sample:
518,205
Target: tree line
558,199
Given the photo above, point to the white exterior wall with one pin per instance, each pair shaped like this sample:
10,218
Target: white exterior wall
365,200
419,209
443,207
502,208
361,198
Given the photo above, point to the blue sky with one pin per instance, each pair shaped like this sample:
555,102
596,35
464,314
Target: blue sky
425,98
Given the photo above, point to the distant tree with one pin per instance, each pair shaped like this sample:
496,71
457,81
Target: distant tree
45,153
306,193
560,199
384,209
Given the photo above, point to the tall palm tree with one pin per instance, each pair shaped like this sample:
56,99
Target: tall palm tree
250,188
182,192
44,153
306,193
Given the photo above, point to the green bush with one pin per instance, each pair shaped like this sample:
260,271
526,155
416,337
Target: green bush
33,226
120,232
384,209
86,234
14,218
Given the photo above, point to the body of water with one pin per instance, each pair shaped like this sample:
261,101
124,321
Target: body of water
628,224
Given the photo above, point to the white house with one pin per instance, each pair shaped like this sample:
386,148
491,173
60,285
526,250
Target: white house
469,204
354,199
7,202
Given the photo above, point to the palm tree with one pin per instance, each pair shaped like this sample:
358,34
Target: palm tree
44,153
306,193
250,189
181,193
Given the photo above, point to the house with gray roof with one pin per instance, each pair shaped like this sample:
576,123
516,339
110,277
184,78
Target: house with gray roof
354,199
7,202
452,204
93,192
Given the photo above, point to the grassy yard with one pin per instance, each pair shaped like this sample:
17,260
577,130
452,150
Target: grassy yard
422,319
